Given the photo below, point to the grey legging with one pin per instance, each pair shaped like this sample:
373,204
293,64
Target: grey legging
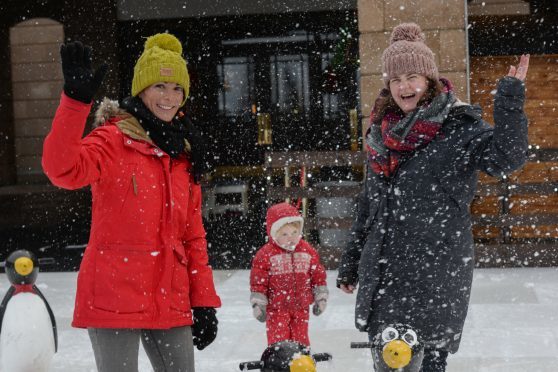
169,350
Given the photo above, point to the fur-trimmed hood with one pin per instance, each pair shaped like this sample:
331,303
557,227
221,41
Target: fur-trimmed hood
110,111
107,109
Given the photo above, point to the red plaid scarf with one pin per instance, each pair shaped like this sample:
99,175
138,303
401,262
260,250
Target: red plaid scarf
398,136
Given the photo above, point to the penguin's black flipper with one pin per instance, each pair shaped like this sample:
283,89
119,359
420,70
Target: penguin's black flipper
51,314
258,364
322,357
4,304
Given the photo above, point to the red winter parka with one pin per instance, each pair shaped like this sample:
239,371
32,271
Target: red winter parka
286,278
146,263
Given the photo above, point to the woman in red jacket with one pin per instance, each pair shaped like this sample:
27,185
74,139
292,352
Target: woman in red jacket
145,269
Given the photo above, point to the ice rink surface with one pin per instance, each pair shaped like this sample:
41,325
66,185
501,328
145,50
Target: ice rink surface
512,325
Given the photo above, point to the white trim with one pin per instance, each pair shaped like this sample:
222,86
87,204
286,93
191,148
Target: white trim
282,222
257,298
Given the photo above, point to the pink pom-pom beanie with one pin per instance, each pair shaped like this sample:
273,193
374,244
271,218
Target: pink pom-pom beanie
407,53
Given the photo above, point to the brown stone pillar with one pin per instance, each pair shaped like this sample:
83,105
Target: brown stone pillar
36,85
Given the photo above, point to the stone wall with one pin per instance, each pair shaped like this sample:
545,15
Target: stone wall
36,85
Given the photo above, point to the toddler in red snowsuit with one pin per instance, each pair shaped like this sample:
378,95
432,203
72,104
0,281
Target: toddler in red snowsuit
286,278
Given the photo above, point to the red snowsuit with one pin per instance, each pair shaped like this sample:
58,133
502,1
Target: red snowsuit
287,279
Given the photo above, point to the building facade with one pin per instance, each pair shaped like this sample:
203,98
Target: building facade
309,70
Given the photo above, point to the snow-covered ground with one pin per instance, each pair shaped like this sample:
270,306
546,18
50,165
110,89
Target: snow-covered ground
512,325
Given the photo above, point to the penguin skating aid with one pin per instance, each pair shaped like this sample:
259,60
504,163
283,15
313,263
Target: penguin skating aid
395,347
28,337
286,356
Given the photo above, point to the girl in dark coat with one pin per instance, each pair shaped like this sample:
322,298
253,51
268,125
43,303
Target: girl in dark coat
411,248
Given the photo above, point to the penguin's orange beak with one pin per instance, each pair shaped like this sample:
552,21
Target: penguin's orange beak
397,354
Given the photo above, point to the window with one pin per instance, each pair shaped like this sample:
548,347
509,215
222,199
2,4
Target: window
236,86
290,92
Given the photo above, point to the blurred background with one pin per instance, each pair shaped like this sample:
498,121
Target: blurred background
282,91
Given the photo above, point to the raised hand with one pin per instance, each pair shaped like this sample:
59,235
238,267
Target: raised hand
81,82
520,72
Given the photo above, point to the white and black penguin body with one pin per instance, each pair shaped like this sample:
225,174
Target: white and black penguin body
397,347
28,338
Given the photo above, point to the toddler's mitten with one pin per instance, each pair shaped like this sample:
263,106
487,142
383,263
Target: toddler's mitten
321,294
259,305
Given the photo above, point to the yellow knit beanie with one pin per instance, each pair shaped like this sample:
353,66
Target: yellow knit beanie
161,61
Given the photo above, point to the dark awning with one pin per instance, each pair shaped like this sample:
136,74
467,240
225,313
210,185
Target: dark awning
166,9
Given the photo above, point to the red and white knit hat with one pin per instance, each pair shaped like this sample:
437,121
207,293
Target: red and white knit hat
407,54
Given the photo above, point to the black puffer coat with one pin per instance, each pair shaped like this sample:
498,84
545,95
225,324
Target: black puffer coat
411,249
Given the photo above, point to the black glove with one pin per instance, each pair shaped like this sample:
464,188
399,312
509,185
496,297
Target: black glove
200,162
204,329
80,81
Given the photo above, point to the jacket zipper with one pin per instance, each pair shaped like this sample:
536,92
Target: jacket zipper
134,184
293,299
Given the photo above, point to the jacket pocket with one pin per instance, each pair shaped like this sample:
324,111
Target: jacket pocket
124,277
180,287
127,181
